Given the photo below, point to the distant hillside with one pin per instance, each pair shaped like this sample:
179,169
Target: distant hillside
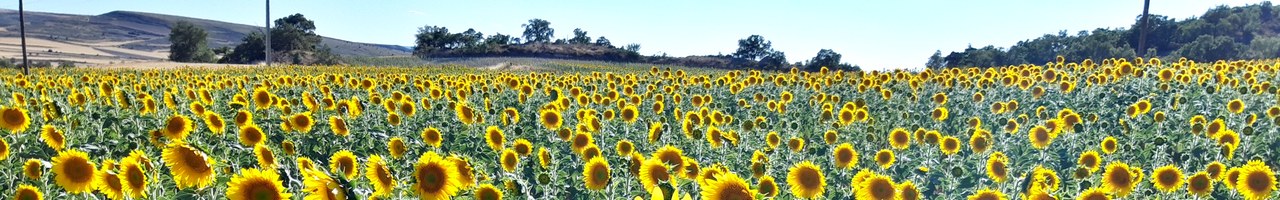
149,31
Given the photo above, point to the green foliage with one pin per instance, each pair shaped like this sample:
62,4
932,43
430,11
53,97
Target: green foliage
579,37
188,43
1210,48
249,50
753,47
294,32
1221,33
538,30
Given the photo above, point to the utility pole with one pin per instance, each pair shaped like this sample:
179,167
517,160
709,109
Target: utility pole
267,32
1142,37
22,29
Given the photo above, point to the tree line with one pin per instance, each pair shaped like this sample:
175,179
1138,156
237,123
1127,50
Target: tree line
293,40
1222,33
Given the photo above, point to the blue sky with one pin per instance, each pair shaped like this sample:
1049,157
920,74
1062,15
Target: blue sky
873,34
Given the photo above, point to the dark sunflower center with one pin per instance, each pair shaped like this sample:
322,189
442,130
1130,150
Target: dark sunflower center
809,178
432,178
1259,182
881,189
78,170
262,190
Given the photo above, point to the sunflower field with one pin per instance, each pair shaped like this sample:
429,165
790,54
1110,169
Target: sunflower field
1115,129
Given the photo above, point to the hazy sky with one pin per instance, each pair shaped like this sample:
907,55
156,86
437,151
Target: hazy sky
874,34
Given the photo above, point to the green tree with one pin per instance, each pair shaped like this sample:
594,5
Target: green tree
294,32
1263,48
250,50
603,42
1207,48
498,39
188,43
936,61
753,48
580,37
825,58
538,31
774,60
431,39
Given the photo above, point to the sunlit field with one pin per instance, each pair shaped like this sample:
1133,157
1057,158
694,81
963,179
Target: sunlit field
1108,129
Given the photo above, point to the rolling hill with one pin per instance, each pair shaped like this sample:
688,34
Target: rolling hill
128,35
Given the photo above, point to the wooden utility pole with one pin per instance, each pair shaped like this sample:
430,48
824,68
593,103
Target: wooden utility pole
1142,37
267,32
22,32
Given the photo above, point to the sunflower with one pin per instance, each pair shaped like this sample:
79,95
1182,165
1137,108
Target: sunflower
795,144
393,119
74,172
979,142
301,122
878,187
1231,177
997,167
288,148
339,126
177,127
435,177
510,160
988,194
727,186
52,137
899,138
767,187
4,149
432,136
844,156
772,139
133,178
1215,170
1091,160
14,119
1235,106
847,116
488,192
28,192
397,147
243,117
466,174
1045,179
1110,145
1256,181
629,114
655,132
262,98
1119,179
379,176
189,167
266,159
806,180
215,123
544,157
1199,184
908,191
671,156
595,174
550,119
319,186
109,184
344,163
624,147
1095,193
950,145
580,141
884,158
654,172
1040,137
256,184
251,135
939,113
33,169
495,138
1167,178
